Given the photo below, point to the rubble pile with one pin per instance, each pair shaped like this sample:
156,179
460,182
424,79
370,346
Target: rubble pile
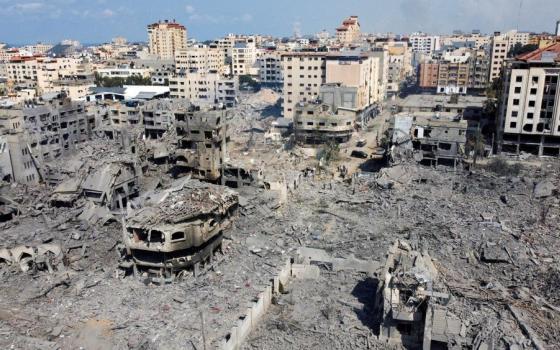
407,257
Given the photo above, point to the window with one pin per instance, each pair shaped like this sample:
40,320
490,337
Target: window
535,80
530,115
514,114
531,103
513,125
516,102
517,90
533,91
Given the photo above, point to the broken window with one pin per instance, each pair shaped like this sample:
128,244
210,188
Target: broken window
177,236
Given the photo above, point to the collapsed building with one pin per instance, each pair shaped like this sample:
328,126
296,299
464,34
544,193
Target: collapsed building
317,123
411,302
177,228
429,138
109,181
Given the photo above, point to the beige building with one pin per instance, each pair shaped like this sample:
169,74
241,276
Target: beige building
204,88
359,72
244,58
501,43
40,72
166,38
200,58
530,116
306,72
349,31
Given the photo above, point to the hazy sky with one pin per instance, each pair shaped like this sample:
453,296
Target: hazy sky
95,21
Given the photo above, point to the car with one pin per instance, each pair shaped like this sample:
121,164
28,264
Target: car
359,154
361,143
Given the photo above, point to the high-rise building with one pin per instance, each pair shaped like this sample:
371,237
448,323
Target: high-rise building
166,38
349,31
557,32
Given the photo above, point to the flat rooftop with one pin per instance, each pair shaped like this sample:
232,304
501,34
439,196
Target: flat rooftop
426,101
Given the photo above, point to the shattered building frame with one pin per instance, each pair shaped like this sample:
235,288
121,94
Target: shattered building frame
179,227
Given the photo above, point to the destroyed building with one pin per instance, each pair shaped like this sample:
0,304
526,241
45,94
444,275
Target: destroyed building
108,181
317,123
40,131
201,141
411,302
159,116
429,138
178,227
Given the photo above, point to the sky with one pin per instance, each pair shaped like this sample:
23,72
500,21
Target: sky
97,21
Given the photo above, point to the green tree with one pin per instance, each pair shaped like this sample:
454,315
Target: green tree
115,81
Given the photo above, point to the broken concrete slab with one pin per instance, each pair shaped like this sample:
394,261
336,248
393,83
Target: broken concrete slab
543,189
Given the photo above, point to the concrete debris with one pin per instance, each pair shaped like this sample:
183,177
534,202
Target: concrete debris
125,247
42,257
180,227
543,189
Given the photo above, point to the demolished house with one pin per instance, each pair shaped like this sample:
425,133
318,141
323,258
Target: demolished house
429,138
317,123
179,227
201,142
411,302
109,181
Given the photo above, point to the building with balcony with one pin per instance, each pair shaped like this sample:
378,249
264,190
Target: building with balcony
529,119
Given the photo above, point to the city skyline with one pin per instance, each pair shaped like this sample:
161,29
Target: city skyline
48,21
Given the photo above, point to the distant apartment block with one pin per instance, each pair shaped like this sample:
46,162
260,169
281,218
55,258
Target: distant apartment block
205,88
166,38
423,43
501,44
244,57
270,68
160,70
201,58
349,31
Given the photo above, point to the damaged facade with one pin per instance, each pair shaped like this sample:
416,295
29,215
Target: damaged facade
201,142
177,228
429,138
411,303
40,131
318,123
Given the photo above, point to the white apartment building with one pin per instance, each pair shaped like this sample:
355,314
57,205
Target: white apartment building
270,68
165,38
124,72
204,88
530,116
244,57
423,43
200,58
